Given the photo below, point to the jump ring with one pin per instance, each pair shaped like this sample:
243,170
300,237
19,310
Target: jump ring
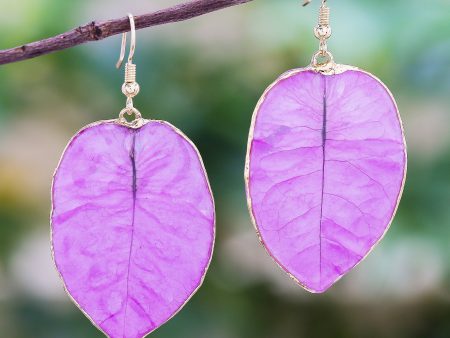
136,122
328,59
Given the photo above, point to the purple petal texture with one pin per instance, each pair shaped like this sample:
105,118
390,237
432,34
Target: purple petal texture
132,224
325,171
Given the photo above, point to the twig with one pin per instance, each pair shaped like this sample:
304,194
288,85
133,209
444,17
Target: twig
94,30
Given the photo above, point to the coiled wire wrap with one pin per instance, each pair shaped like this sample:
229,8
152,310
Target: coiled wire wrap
130,72
324,16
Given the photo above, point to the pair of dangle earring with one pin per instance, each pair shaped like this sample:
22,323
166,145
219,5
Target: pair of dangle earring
133,220
325,166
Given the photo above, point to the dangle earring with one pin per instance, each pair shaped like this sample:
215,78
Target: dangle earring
325,166
133,221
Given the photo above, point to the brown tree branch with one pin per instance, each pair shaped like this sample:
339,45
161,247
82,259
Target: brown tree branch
94,30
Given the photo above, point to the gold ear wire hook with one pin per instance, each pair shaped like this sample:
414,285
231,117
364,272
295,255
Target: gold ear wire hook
307,2
323,59
130,87
124,43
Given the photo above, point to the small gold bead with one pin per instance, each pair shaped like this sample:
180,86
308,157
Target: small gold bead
130,89
322,32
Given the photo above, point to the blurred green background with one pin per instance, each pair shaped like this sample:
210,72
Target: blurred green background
205,76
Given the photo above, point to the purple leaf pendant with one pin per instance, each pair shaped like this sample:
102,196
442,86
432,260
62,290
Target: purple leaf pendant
325,170
132,224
